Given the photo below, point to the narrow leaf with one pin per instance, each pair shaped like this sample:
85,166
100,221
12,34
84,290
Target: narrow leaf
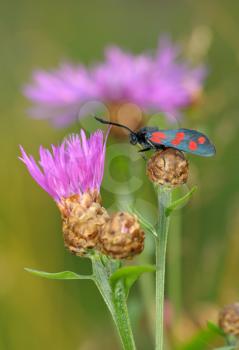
215,328
129,274
147,226
180,201
64,275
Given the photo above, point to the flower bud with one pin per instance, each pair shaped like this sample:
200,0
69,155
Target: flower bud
229,319
122,236
83,216
168,167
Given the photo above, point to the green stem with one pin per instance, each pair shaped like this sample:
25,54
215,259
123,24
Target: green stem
122,320
101,278
174,263
147,291
115,300
146,283
164,199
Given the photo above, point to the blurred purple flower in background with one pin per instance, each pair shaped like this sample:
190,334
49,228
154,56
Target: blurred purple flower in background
72,168
160,82
59,94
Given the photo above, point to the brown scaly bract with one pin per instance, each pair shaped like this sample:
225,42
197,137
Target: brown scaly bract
83,217
122,236
168,167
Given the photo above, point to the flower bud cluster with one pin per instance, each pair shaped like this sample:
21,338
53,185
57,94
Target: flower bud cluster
87,226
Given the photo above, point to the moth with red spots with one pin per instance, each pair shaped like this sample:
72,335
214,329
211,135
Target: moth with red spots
186,140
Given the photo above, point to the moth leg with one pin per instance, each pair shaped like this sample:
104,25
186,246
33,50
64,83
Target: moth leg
151,144
145,149
144,158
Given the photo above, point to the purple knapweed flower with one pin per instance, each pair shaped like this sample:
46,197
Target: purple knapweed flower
72,168
58,94
122,77
173,85
160,82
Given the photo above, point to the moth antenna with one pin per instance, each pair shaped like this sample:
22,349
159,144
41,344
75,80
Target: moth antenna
103,121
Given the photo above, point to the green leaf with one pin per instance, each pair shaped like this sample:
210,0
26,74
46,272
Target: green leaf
215,328
64,275
180,201
129,274
198,341
147,226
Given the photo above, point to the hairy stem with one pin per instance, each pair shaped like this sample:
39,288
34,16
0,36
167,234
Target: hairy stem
164,199
146,284
115,300
174,263
122,320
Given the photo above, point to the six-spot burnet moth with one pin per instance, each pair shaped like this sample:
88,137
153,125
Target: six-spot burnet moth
186,140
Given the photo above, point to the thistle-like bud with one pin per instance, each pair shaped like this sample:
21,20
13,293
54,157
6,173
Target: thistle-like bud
122,236
168,167
229,319
83,217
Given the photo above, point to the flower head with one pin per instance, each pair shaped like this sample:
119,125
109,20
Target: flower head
72,174
168,167
122,76
173,83
229,319
153,82
58,94
122,237
72,168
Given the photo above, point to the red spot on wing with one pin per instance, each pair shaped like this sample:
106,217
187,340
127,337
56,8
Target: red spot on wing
192,145
178,138
160,134
201,140
157,136
175,142
180,135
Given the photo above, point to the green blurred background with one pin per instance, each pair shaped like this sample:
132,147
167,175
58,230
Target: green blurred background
40,314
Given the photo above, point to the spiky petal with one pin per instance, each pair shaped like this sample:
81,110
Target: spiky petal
72,168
